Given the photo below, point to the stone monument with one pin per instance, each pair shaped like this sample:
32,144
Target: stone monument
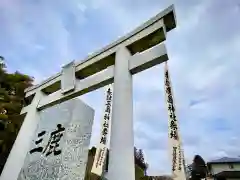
59,149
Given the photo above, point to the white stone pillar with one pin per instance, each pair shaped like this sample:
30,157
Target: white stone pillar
121,159
21,146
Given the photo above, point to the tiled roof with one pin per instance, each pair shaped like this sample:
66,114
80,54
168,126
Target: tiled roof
225,160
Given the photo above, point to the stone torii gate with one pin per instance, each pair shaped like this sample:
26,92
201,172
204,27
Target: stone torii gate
141,49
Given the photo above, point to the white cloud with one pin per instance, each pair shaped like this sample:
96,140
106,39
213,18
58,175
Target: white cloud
204,66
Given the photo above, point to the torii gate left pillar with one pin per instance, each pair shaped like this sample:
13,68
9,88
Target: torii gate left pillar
139,50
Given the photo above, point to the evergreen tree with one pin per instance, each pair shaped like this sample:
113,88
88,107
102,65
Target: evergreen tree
141,156
11,102
135,154
198,168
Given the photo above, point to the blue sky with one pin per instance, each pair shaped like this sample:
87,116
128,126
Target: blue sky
37,37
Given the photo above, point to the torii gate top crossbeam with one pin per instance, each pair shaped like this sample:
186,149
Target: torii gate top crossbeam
141,39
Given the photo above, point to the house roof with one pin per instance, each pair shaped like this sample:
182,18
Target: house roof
225,160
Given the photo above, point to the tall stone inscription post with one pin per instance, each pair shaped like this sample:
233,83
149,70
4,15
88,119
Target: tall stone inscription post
116,63
99,162
176,151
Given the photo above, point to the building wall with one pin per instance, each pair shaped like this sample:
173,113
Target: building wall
216,168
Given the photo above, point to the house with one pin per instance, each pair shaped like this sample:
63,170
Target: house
224,169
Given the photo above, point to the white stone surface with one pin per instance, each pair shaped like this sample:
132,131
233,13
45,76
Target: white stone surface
101,151
174,136
76,119
122,142
22,143
121,158
68,78
145,29
137,63
149,58
81,85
